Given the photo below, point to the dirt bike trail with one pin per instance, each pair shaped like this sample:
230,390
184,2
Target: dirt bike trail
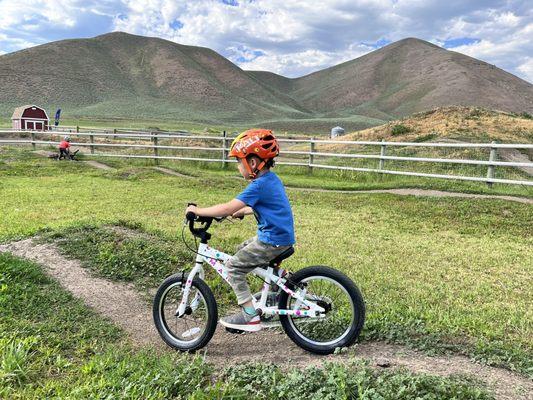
421,193
127,308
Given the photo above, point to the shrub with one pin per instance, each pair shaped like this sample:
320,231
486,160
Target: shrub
400,129
425,138
526,115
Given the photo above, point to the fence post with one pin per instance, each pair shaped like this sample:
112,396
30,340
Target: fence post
92,141
491,168
311,156
224,152
156,150
33,140
383,153
115,132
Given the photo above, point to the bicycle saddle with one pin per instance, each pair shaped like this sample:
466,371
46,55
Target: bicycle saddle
286,254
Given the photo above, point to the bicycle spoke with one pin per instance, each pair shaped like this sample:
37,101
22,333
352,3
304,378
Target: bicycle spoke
336,321
188,327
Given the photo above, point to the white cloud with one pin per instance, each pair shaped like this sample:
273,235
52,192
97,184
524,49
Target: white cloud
308,61
26,23
297,37
527,69
58,12
511,51
15,43
291,37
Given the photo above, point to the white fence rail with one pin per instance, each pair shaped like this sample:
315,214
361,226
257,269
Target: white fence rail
154,137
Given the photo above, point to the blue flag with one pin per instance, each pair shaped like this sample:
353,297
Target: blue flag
58,113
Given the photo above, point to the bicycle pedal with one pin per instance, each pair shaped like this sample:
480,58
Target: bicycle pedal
235,331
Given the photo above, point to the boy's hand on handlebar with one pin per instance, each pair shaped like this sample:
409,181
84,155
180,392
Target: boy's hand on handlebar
191,209
238,215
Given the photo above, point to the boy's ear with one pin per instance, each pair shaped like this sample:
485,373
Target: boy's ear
253,161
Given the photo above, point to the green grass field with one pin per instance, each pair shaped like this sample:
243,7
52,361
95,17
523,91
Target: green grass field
440,274
319,126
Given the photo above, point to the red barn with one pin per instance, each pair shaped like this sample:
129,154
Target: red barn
30,117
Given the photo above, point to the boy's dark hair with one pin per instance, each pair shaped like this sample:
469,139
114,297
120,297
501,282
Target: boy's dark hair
268,163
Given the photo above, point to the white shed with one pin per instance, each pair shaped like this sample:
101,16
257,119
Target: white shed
337,131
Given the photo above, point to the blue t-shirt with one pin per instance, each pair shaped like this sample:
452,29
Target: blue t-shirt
266,195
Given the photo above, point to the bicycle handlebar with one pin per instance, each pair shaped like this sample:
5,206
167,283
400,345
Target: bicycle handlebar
207,221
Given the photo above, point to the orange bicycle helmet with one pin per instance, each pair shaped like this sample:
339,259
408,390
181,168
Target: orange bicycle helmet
259,142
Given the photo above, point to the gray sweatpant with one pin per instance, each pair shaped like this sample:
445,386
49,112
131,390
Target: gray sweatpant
250,254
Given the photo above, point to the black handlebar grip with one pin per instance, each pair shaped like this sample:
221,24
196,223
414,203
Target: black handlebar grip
241,217
190,216
191,204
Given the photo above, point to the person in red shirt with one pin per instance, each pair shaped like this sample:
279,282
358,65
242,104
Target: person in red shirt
64,148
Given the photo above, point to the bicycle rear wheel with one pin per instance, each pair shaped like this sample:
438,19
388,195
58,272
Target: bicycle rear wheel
196,327
343,320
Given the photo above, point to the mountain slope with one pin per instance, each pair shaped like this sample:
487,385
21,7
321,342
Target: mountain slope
409,76
136,76
119,75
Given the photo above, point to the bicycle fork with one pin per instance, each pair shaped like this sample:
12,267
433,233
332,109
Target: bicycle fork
198,269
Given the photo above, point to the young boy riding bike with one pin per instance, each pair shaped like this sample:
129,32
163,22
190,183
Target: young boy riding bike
264,197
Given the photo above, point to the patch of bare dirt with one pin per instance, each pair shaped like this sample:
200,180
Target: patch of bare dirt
99,165
92,163
514,155
127,233
171,172
43,153
123,305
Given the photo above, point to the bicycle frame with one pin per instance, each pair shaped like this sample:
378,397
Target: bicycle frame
216,259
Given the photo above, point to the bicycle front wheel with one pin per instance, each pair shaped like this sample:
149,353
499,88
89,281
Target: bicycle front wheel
196,327
343,319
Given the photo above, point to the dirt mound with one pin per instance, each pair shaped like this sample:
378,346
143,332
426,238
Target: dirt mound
468,123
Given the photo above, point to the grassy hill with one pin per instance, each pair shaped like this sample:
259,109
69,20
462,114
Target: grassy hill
446,124
121,76
457,123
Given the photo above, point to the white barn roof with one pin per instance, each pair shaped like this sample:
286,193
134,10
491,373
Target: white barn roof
17,114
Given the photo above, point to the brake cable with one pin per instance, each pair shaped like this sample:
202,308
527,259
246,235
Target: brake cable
288,279
196,244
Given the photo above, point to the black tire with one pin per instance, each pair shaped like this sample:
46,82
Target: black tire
349,336
161,324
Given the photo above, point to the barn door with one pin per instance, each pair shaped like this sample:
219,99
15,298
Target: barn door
30,125
39,126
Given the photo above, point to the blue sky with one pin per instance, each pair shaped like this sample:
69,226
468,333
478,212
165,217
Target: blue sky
289,37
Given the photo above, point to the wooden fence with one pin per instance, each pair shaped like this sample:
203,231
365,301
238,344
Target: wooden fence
310,155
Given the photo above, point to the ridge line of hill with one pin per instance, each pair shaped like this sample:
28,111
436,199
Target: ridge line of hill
130,76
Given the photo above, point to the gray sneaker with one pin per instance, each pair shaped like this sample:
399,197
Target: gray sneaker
242,321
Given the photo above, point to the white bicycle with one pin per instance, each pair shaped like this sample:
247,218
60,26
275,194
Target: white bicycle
319,308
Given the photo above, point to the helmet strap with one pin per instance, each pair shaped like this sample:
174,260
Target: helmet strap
248,168
253,174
